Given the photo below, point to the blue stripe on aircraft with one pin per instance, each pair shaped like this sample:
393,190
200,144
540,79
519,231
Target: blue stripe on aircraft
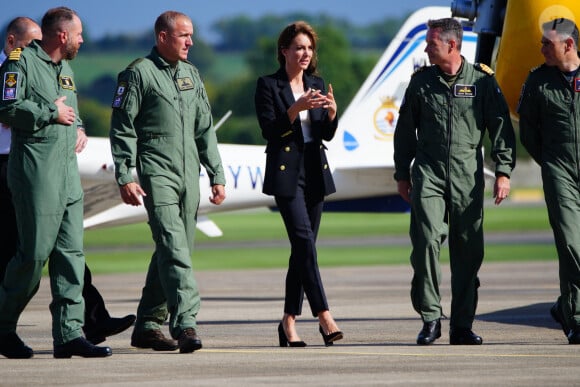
408,38
414,38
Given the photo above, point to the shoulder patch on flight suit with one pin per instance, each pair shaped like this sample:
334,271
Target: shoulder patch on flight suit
10,86
484,68
120,93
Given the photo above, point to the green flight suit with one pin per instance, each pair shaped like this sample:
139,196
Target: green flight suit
440,130
550,130
162,126
44,180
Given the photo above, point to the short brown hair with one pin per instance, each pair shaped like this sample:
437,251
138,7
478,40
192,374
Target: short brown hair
54,19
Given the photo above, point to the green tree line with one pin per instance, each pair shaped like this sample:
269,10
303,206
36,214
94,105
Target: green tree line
244,50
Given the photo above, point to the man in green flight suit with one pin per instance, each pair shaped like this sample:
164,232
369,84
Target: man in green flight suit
446,109
162,126
39,102
549,112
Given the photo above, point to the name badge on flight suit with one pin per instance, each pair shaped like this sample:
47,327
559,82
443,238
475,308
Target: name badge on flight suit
465,91
577,85
185,83
10,86
66,82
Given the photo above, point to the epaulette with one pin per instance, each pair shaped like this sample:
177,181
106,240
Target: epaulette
484,68
134,63
15,54
537,68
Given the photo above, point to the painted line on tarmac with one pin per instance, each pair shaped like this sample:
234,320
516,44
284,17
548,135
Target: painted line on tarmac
370,353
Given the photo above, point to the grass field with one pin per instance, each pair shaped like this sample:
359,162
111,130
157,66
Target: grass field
258,240
92,65
89,66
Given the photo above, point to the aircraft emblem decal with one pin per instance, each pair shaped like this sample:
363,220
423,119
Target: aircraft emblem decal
385,119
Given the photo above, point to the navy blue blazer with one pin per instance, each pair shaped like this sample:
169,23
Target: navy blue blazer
285,147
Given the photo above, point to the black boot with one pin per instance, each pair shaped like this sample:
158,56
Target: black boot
13,348
431,331
80,347
110,327
463,336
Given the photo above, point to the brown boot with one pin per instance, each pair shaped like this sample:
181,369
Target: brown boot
153,339
188,341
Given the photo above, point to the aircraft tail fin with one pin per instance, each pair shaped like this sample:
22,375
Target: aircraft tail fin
361,153
365,134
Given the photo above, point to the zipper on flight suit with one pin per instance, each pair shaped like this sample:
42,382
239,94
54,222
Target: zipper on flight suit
181,116
449,131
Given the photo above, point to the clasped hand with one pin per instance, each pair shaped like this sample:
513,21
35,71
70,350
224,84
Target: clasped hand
314,98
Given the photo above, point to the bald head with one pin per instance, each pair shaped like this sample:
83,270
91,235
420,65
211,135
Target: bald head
20,32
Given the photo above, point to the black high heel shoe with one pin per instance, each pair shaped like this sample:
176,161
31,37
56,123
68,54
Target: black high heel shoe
331,337
284,340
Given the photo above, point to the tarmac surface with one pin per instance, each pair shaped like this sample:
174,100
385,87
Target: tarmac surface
241,310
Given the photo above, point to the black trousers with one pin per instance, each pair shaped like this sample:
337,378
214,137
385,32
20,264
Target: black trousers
301,215
96,313
95,310
8,233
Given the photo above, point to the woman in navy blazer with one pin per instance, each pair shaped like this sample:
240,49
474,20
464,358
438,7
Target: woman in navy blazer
296,114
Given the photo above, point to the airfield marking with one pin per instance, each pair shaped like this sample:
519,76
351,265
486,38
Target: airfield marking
438,354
